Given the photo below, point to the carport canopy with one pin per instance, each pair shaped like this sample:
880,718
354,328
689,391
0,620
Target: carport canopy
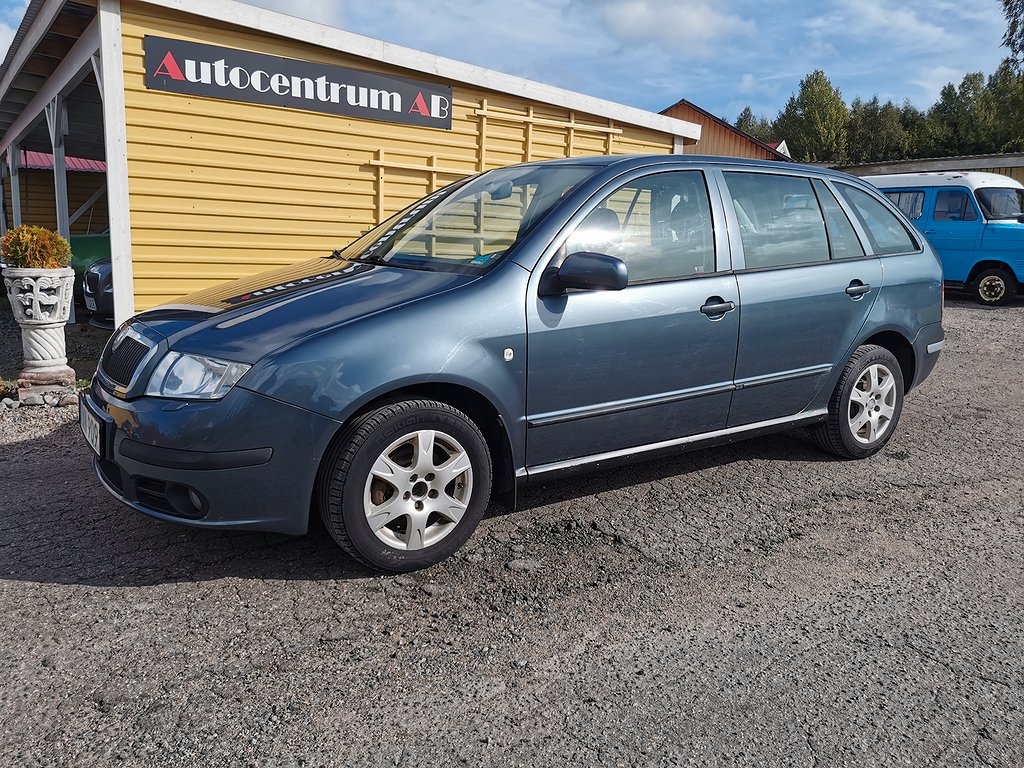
50,97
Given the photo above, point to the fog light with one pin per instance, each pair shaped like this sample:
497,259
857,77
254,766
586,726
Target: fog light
196,501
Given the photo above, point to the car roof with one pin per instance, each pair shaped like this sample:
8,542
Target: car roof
969,179
627,162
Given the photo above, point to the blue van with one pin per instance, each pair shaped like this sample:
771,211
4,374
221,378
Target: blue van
974,221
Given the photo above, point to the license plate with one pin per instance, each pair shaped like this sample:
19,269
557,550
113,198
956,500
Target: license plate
90,303
92,428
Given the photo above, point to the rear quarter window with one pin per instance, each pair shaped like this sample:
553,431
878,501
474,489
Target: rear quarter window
886,233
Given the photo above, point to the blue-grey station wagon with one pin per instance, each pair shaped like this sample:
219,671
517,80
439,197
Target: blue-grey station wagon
530,320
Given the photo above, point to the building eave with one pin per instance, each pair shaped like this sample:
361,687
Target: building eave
281,25
733,128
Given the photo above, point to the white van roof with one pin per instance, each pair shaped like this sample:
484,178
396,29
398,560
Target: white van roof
970,179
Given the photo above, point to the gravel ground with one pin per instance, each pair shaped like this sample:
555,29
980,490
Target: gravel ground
753,605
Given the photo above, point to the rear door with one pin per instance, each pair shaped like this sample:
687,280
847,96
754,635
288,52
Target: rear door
805,290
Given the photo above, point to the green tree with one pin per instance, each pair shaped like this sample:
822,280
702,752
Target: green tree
962,121
813,122
875,132
1005,95
759,127
1013,10
913,121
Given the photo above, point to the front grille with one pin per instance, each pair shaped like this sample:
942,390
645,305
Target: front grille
119,364
92,282
153,493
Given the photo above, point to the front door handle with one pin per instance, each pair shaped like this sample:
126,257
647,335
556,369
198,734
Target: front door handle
716,307
856,289
927,231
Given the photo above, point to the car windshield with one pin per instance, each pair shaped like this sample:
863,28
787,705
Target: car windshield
469,226
1001,202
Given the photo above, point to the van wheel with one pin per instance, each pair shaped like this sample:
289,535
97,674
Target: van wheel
865,406
995,287
405,487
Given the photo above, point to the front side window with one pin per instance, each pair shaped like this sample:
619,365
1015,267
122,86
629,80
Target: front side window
780,221
954,205
659,225
910,202
471,225
885,232
1001,202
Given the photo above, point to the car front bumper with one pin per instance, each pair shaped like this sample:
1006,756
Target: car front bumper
246,461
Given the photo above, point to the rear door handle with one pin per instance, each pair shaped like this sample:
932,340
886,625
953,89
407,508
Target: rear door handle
715,307
856,289
927,231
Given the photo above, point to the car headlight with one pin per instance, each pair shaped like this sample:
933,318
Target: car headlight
194,377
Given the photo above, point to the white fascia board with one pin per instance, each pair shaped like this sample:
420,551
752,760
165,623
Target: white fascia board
281,25
68,74
115,142
40,26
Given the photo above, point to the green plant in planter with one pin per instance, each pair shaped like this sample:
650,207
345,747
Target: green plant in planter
31,247
39,285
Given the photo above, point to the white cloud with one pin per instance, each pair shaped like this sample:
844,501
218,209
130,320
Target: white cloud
330,13
932,80
6,36
876,20
10,18
688,27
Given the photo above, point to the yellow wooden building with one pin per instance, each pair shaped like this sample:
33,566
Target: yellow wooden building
238,139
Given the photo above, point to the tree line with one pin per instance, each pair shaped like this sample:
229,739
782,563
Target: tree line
980,116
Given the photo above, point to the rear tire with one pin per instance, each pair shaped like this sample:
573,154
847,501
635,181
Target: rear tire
865,406
406,485
995,287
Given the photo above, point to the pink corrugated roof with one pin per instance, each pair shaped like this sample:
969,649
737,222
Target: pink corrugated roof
44,161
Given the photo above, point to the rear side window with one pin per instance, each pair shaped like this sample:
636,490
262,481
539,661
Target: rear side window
954,205
780,221
842,237
911,203
886,233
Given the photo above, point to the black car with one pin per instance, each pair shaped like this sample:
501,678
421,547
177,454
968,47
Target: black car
98,291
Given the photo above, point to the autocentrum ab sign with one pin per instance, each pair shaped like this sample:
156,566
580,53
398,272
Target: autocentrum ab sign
197,69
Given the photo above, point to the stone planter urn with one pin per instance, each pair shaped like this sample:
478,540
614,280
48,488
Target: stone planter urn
41,302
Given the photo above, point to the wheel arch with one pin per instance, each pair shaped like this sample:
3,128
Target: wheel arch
471,402
981,266
902,349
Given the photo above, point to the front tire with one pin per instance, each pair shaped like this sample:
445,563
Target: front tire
995,287
406,485
865,406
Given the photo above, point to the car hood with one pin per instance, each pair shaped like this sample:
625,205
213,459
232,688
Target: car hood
245,319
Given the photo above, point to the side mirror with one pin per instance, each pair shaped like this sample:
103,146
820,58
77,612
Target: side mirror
585,271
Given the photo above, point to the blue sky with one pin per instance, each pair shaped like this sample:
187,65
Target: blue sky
720,54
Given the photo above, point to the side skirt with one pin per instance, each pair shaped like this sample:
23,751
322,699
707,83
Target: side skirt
665,447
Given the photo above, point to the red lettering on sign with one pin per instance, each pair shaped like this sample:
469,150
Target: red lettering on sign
420,105
169,68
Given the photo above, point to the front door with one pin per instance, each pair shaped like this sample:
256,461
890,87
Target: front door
955,231
613,370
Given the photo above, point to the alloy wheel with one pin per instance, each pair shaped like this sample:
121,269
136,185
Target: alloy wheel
872,404
418,490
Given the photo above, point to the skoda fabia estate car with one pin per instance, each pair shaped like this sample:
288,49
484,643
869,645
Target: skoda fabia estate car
527,321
